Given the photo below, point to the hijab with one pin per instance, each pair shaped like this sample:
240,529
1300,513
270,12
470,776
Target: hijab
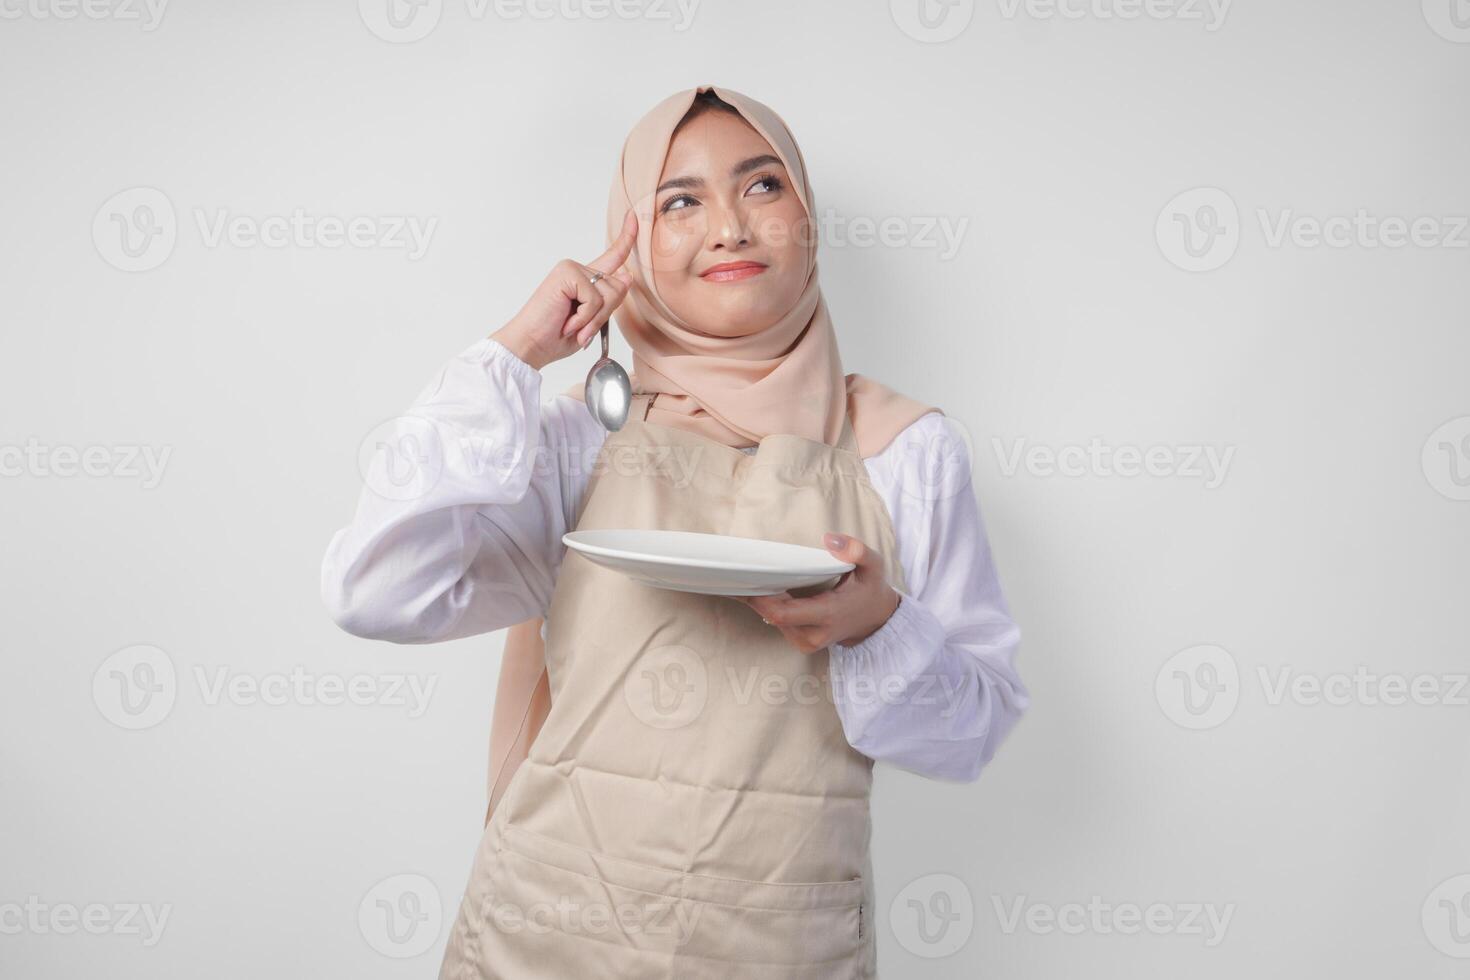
787,378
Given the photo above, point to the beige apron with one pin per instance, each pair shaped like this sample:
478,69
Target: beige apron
690,807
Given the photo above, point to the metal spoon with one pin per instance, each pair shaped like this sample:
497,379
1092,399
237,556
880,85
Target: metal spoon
609,393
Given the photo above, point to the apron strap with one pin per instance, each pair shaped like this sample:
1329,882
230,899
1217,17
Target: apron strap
847,440
642,402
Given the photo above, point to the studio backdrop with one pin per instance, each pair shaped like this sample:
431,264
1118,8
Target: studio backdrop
1190,276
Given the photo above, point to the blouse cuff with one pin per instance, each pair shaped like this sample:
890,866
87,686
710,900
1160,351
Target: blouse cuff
491,351
903,645
484,409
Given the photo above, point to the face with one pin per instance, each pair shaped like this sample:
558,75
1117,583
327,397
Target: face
730,234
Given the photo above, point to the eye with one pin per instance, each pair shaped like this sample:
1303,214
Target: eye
678,202
770,182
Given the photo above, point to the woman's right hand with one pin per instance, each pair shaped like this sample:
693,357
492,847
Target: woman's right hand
567,309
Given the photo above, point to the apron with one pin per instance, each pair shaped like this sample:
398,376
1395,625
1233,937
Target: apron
690,807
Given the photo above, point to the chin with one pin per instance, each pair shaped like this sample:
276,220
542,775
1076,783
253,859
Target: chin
738,320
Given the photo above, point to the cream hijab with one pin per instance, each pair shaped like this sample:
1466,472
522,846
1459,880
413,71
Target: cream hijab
736,390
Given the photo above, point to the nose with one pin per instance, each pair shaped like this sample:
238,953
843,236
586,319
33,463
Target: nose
729,228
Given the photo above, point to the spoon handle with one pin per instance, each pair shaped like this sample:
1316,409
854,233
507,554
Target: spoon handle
604,341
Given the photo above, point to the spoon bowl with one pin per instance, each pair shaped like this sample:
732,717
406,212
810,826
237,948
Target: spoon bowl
609,392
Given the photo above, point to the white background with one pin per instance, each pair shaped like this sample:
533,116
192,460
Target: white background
1333,835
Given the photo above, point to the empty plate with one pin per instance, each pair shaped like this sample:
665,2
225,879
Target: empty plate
709,564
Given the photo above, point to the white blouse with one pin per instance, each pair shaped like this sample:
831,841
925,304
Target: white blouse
458,532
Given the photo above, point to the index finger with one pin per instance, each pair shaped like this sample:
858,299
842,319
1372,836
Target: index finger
617,253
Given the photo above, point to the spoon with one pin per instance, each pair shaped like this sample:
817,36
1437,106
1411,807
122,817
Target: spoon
609,393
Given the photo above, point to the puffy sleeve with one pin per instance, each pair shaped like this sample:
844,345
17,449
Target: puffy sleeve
935,689
465,499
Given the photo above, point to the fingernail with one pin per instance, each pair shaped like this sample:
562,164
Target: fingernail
836,540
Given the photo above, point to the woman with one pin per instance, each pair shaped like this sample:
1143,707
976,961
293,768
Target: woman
691,773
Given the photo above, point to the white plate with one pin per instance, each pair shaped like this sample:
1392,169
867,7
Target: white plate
709,564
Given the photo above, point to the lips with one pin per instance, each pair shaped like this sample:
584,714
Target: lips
732,271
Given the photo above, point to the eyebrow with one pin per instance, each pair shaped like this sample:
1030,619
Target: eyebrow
743,167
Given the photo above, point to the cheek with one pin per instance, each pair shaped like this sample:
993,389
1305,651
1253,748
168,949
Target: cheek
788,238
676,243
783,228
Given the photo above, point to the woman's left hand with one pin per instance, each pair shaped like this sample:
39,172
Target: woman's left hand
848,613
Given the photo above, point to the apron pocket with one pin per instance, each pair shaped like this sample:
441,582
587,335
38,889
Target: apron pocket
813,929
